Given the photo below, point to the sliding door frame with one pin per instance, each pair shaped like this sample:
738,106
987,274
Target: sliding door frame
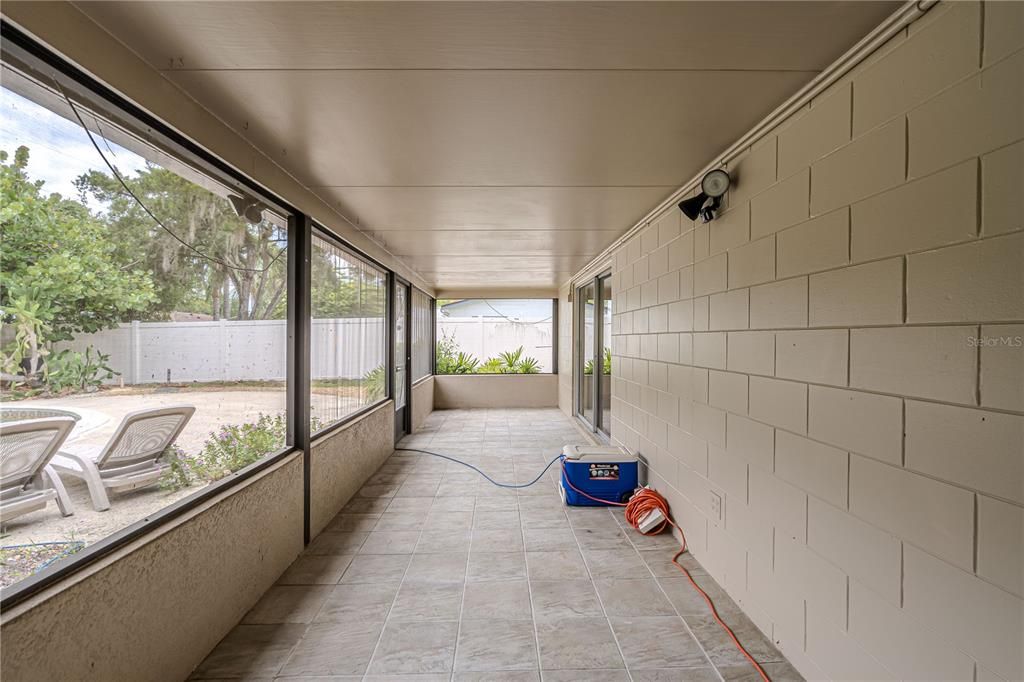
596,425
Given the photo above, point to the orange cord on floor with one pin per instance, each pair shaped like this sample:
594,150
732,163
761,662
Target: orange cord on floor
644,502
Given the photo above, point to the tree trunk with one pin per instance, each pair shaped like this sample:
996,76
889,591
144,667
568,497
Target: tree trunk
226,301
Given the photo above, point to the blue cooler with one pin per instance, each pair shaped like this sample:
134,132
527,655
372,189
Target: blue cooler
606,473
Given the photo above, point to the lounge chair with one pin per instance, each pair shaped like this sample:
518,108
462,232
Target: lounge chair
27,481
132,458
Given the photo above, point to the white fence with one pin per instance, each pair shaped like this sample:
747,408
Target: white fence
225,350
484,337
147,352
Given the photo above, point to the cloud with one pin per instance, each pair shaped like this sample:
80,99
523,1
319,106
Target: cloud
60,149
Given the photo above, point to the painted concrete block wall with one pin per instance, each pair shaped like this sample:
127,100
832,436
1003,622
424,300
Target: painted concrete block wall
839,356
422,401
153,610
460,391
343,459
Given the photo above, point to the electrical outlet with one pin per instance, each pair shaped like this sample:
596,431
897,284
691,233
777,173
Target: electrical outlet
716,505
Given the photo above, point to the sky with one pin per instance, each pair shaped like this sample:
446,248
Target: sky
60,150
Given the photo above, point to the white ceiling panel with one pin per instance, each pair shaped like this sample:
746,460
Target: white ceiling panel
495,208
769,36
488,128
516,242
490,145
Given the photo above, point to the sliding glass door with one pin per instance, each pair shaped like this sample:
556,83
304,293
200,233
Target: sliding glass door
402,386
594,353
587,336
604,342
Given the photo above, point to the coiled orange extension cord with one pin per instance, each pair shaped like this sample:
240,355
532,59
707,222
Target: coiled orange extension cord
641,504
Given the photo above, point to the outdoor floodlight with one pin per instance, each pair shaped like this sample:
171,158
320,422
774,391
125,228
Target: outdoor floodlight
247,208
705,205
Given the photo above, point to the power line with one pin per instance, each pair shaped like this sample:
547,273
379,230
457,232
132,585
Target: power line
509,319
128,190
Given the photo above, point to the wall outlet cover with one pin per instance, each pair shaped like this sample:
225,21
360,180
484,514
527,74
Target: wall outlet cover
716,505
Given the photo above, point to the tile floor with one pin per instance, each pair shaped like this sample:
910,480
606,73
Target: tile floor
431,573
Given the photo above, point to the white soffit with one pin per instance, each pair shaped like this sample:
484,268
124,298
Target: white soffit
490,145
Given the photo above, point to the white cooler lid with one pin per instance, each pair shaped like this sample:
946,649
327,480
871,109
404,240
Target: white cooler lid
597,453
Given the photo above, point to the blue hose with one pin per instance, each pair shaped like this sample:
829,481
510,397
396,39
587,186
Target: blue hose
466,464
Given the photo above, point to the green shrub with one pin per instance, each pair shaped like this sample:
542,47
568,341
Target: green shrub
70,370
588,368
529,366
233,447
450,360
375,383
511,362
237,446
179,475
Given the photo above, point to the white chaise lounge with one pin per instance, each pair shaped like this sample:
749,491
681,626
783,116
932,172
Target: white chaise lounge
132,458
27,481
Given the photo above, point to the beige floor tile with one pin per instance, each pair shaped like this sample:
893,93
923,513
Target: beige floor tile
549,539
585,676
342,542
492,645
661,564
607,538
697,674
288,604
361,602
334,649
394,520
628,597
719,646
443,519
564,598
777,672
251,651
437,541
503,540
657,643
488,502
496,520
488,566
411,505
409,648
316,570
437,568
559,565
376,568
427,601
502,676
503,600
390,542
577,643
689,602
428,543
353,522
615,563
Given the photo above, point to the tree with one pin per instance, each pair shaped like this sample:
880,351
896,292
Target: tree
342,288
62,260
234,270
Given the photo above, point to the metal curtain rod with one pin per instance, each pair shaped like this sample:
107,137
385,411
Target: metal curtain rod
907,14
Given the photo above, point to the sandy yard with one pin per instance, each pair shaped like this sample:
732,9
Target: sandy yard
100,415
